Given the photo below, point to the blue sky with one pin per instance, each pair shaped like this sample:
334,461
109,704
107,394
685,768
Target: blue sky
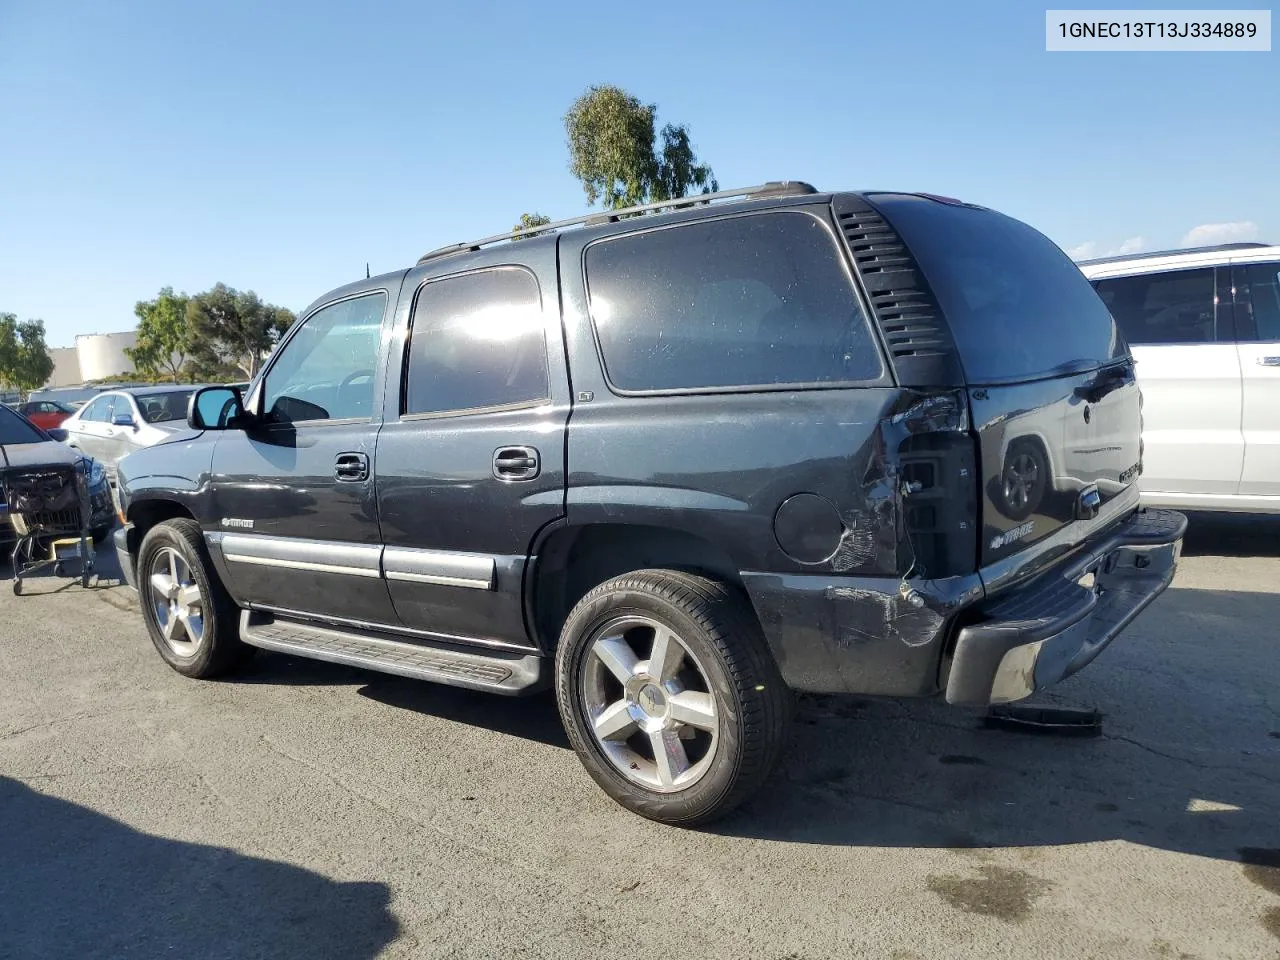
279,146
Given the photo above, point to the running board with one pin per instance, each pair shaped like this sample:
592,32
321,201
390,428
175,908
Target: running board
494,671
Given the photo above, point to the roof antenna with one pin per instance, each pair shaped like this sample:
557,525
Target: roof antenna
366,269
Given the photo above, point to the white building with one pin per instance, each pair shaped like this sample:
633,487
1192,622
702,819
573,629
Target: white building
96,356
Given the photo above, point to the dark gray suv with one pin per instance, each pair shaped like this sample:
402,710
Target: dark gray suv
677,463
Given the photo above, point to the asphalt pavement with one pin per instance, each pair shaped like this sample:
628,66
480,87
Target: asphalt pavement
308,810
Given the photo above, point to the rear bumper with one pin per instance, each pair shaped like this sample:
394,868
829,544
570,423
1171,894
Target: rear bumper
1032,636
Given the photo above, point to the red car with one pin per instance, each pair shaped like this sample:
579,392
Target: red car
45,414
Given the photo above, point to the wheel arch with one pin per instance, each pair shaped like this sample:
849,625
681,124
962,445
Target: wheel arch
571,559
143,514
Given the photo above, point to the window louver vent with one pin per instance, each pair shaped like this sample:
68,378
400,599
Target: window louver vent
906,313
905,310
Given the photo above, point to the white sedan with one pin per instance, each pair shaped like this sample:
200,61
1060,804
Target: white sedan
114,424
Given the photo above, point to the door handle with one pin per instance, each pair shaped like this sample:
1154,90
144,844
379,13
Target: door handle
1269,361
351,467
516,463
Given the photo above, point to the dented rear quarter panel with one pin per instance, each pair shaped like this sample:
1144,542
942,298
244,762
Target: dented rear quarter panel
719,467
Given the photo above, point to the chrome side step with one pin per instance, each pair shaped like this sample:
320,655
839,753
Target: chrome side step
494,671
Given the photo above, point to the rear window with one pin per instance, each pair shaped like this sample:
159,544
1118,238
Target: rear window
162,407
751,301
1017,306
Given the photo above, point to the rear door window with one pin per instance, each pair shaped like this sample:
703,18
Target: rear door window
743,302
1017,306
1257,301
99,410
477,341
1175,306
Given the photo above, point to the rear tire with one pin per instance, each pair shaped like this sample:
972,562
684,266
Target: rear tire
670,695
191,618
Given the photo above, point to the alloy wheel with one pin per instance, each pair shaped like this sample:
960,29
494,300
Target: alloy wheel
176,602
649,704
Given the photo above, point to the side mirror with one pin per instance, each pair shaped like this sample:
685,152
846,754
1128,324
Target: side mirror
122,420
216,408
57,433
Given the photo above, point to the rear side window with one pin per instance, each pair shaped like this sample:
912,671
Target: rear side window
477,341
1258,299
750,301
1172,307
1017,306
99,410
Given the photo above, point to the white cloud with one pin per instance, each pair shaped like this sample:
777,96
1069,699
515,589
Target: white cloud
1089,249
1208,234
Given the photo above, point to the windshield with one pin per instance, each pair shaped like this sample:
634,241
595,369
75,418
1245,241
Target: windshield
159,407
15,428
1018,308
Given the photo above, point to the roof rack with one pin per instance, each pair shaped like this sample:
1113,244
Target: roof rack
774,188
1216,248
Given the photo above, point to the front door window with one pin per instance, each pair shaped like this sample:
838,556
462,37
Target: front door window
326,370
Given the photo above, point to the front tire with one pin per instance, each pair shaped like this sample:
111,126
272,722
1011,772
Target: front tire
670,695
191,618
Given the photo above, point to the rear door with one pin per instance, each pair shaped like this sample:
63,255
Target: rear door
117,438
89,431
1257,311
1052,393
1178,325
471,457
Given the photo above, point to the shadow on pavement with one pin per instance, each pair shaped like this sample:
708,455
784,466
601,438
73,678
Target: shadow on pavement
75,883
1232,535
532,718
279,669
